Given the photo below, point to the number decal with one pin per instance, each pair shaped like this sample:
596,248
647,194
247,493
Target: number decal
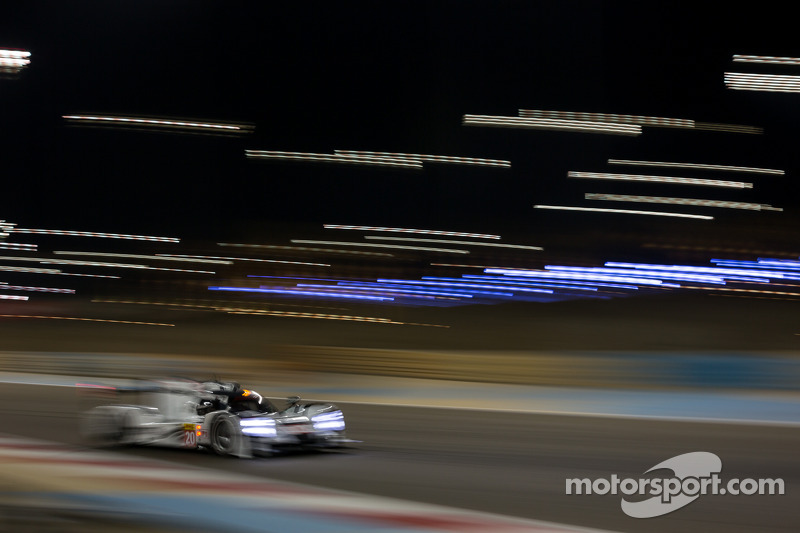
190,439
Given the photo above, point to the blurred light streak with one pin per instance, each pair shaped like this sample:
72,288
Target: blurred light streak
710,270
292,314
569,275
372,245
738,58
749,291
762,82
463,243
660,179
780,262
304,249
462,266
754,264
144,302
558,284
605,117
700,202
18,246
13,61
161,123
333,158
159,257
551,124
228,260
302,293
304,278
757,298
216,306
36,289
375,286
12,297
698,166
87,275
365,289
118,265
95,234
460,282
464,287
418,231
30,270
732,128
88,320
430,158
661,274
376,320
623,211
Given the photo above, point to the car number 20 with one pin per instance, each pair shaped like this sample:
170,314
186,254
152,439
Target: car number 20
189,436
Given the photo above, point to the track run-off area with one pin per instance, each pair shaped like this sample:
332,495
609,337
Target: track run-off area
490,464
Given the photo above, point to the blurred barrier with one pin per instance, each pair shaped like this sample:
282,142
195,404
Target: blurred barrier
758,371
575,369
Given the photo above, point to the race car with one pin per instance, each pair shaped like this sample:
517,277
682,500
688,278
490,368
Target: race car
219,416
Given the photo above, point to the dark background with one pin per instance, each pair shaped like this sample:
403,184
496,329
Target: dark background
396,76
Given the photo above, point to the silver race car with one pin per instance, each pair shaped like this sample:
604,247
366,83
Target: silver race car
220,416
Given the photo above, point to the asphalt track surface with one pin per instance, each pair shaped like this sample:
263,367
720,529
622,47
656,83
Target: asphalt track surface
501,462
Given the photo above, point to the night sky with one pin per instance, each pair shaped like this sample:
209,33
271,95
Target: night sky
321,76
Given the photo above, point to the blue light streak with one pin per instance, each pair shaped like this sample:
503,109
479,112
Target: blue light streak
304,293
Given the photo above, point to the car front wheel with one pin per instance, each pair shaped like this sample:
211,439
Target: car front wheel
225,435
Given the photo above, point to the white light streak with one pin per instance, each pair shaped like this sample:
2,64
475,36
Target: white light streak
552,124
88,275
18,246
371,245
303,249
30,270
419,231
36,289
605,117
231,259
680,201
704,270
15,54
623,211
191,125
333,158
118,265
429,158
698,166
159,257
95,234
772,60
660,179
14,61
12,297
570,275
53,261
762,82
462,243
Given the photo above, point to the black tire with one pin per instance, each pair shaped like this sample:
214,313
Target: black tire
225,435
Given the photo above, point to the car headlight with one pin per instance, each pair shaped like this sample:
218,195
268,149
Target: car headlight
258,427
333,421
